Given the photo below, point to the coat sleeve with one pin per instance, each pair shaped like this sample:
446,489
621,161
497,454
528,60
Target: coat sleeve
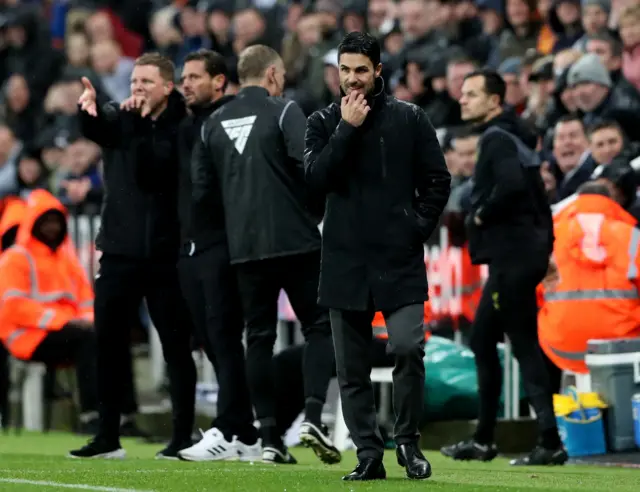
325,156
16,303
502,154
105,128
432,181
203,174
292,124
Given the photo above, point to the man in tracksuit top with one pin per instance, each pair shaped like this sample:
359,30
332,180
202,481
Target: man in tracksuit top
208,283
139,240
253,151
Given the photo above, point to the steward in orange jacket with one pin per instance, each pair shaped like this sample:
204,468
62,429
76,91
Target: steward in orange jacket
594,292
46,300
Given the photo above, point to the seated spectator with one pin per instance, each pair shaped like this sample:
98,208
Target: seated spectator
593,291
46,313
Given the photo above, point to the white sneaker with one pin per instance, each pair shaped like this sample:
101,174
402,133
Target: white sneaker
212,447
246,452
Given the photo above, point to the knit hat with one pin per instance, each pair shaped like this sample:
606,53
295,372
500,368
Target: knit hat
589,69
605,5
512,65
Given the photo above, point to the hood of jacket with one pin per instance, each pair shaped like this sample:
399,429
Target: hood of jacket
509,121
589,228
39,203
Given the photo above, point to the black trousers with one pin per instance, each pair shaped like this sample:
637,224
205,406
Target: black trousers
120,285
260,283
287,366
77,346
352,336
210,289
508,306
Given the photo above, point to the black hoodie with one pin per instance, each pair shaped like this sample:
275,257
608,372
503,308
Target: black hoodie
201,224
508,197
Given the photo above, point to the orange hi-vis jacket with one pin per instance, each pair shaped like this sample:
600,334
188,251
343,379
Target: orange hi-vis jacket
12,215
40,289
597,252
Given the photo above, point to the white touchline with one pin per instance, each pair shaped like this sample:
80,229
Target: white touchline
80,486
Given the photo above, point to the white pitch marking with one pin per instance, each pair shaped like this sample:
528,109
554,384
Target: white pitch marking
80,486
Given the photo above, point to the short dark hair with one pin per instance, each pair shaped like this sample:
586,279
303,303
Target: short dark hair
494,84
605,124
568,118
254,61
605,37
164,65
214,63
361,43
594,188
464,132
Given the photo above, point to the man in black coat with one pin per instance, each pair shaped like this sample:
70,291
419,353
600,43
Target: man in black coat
208,283
511,230
139,238
252,155
379,162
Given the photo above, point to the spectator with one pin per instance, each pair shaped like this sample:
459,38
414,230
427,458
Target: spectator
521,33
595,19
22,112
113,69
629,23
571,154
606,141
32,174
564,19
510,70
596,96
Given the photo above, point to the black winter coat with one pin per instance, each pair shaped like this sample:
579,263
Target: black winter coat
140,209
509,198
387,185
201,224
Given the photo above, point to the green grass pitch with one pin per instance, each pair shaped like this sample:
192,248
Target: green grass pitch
35,462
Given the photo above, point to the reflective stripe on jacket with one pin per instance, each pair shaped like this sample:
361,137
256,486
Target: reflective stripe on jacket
597,253
40,289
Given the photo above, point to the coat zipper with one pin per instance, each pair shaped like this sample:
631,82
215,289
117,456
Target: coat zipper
384,160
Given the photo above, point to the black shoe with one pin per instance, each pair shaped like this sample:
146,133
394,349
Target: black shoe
278,455
367,469
470,450
317,438
417,466
99,448
542,457
172,449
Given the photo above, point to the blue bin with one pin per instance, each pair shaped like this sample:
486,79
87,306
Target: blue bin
635,402
582,432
